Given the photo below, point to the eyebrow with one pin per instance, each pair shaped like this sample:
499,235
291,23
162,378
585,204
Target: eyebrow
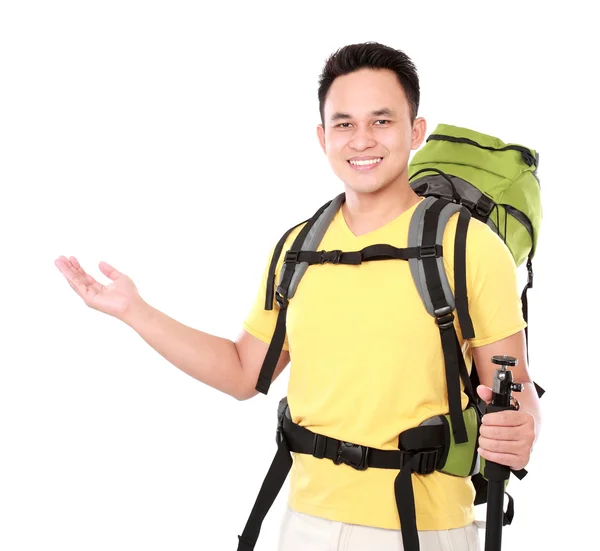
377,113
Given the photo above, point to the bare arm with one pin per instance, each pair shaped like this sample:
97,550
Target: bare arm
231,367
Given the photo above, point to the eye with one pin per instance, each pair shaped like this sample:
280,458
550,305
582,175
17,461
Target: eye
341,125
382,121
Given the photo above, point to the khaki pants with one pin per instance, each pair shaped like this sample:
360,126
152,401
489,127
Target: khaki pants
300,532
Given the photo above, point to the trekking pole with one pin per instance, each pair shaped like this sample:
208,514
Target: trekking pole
495,473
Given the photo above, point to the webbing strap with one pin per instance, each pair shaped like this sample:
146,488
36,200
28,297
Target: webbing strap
405,502
445,321
460,275
451,360
280,467
370,253
272,357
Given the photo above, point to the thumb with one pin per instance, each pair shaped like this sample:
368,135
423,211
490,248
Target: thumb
485,393
109,271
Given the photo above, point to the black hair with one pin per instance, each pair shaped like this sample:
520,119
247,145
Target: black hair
371,55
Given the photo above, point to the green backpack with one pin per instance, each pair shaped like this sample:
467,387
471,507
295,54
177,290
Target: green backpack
497,182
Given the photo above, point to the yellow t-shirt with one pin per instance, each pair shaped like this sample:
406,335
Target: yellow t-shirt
367,364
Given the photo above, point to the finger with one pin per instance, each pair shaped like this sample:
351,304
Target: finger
90,281
109,271
75,263
86,279
510,460
74,278
502,446
505,418
498,433
485,393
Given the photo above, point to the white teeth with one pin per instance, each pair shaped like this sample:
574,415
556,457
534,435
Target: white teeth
363,163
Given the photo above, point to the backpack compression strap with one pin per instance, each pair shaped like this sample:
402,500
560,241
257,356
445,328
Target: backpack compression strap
308,239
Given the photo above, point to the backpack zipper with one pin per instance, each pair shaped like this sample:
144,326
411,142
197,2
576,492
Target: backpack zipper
527,155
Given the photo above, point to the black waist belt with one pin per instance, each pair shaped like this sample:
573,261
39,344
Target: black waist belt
422,452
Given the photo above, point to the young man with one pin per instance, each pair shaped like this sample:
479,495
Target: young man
367,358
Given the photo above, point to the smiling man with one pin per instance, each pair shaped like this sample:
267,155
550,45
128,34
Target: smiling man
367,361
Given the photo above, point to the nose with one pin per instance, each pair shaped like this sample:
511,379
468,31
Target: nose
362,139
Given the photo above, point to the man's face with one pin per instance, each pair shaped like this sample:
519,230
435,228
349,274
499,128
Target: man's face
367,134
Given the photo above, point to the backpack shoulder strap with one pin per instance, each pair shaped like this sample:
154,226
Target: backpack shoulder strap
426,230
269,294
308,239
417,266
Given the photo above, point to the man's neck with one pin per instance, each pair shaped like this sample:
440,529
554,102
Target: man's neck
366,212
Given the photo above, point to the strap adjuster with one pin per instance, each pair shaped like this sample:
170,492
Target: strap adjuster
444,317
319,446
426,461
421,462
281,297
291,257
428,251
354,455
484,206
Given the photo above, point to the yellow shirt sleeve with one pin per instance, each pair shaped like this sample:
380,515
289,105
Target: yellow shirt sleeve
493,294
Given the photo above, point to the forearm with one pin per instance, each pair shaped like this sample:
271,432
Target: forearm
210,359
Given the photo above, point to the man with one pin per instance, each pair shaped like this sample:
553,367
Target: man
367,358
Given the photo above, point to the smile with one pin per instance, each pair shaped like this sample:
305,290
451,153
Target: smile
363,165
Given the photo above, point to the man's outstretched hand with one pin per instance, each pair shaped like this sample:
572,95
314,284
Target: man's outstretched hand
116,298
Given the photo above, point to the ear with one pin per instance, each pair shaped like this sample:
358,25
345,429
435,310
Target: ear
418,132
321,136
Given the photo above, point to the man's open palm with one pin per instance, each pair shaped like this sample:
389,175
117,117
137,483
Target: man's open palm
114,299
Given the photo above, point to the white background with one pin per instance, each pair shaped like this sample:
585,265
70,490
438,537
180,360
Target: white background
176,141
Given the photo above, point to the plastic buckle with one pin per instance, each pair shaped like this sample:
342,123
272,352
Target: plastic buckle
468,203
444,317
331,256
354,455
291,257
279,436
281,411
426,461
484,206
281,297
429,251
